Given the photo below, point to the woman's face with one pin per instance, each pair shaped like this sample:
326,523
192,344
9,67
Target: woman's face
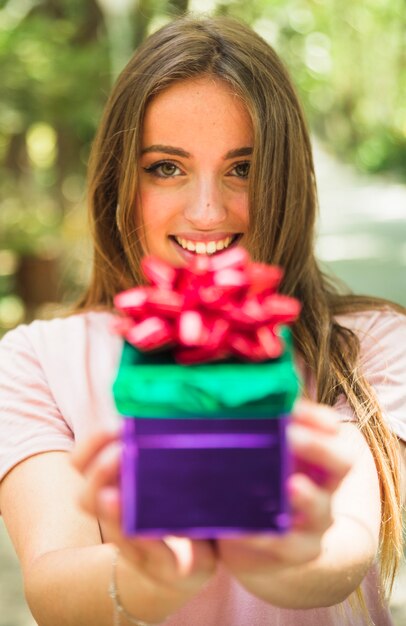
194,168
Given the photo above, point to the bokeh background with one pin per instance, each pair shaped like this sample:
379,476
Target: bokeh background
58,60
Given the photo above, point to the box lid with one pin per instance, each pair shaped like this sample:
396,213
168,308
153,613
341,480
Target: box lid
152,385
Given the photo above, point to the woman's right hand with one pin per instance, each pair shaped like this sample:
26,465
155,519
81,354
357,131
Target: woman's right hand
177,564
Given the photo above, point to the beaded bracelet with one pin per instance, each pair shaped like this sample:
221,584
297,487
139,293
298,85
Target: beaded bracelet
119,610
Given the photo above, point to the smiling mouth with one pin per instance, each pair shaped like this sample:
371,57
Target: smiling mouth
206,247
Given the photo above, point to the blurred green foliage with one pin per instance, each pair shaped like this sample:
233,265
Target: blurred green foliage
348,60
58,59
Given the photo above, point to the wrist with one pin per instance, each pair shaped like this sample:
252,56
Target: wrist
135,601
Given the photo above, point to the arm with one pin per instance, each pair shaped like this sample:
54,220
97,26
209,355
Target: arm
311,566
67,569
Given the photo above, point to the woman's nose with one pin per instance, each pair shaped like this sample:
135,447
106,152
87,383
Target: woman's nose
206,209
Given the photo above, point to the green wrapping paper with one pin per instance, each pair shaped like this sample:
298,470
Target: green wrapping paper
152,385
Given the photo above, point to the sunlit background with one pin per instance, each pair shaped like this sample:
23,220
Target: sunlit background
58,59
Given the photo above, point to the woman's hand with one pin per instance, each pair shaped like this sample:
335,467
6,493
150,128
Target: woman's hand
321,461
270,566
176,565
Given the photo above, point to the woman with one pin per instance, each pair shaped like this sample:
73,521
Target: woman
202,146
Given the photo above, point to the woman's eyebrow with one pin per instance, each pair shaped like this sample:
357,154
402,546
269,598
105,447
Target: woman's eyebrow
238,152
231,154
166,150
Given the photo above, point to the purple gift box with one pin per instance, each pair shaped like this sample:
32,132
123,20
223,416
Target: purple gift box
205,478
205,449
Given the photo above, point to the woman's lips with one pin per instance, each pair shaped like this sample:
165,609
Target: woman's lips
205,244
204,237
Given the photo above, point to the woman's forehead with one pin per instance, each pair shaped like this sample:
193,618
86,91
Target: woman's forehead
202,109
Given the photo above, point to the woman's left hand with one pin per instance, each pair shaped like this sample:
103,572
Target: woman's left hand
321,461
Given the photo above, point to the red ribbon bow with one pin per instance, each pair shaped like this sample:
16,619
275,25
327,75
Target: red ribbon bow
215,308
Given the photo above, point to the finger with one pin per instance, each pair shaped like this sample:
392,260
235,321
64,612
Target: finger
85,452
101,473
258,551
318,416
296,547
193,555
108,505
311,505
150,552
150,556
159,559
326,454
183,552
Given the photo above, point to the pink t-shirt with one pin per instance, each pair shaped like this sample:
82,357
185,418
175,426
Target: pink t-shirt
55,388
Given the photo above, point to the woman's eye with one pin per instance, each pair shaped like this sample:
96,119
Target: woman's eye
241,170
163,169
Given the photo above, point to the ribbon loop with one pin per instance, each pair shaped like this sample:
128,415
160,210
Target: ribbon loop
217,307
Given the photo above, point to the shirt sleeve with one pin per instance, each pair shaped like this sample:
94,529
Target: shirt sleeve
30,421
384,366
383,363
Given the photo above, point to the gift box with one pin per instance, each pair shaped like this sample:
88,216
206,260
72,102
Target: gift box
205,452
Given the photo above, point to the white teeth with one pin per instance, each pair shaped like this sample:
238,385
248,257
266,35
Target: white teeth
200,247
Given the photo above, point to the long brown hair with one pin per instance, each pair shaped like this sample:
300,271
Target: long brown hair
283,210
